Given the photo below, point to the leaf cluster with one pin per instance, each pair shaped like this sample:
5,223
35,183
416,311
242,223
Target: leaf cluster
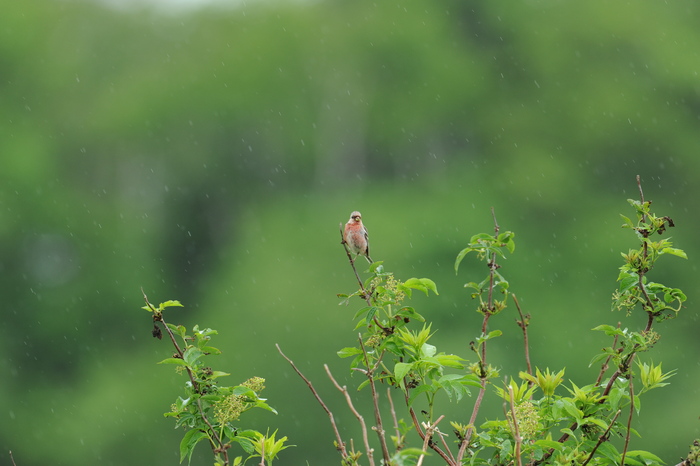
209,410
547,419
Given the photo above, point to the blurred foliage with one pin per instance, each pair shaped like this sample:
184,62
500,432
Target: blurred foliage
210,155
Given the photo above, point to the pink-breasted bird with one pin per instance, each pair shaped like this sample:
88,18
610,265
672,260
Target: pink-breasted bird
355,236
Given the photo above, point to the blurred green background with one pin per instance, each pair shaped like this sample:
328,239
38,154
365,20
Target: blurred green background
209,155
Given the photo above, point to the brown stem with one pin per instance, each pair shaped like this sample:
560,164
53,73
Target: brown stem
399,443
448,458
482,363
629,422
523,323
472,420
429,432
602,438
516,428
604,367
339,440
344,391
375,401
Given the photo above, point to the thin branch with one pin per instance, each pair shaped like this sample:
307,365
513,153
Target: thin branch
629,422
639,185
602,438
523,324
367,296
352,262
399,443
429,432
482,363
375,402
472,420
604,367
449,460
13,459
516,429
344,391
341,444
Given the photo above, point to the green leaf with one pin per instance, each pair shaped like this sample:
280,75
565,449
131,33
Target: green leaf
418,391
549,444
645,455
170,303
450,360
349,351
192,355
675,252
401,369
210,350
628,222
361,311
609,330
422,284
460,256
494,334
428,350
189,441
176,361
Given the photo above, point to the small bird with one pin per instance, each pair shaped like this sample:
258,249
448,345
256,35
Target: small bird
355,236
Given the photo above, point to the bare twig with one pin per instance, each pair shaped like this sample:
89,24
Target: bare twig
399,443
341,444
13,459
523,323
449,459
344,391
602,438
429,432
